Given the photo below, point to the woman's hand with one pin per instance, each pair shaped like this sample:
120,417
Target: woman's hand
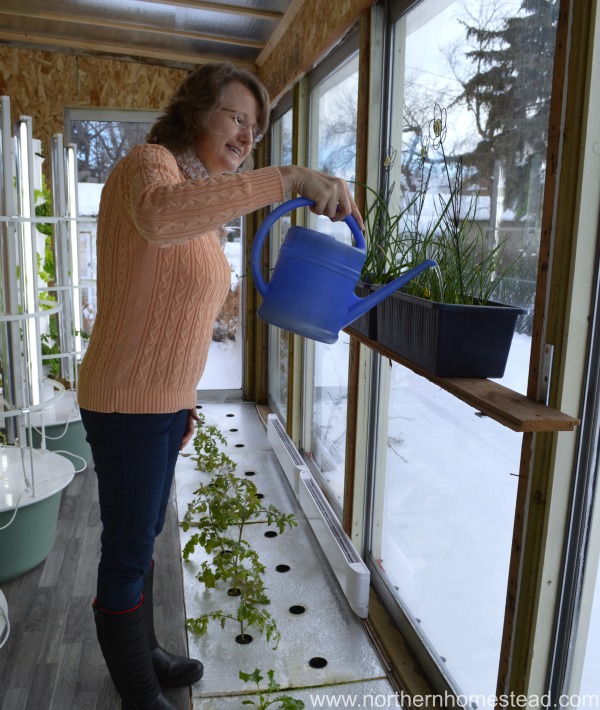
331,195
190,427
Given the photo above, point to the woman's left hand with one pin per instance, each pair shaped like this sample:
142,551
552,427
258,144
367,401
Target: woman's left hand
190,427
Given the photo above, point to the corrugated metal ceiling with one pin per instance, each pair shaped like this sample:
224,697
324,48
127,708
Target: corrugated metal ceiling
178,33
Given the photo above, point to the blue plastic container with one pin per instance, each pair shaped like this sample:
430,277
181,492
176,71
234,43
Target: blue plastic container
311,290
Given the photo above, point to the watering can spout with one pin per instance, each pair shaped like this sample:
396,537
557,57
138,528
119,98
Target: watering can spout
361,305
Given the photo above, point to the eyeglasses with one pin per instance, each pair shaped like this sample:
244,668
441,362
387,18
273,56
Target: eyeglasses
244,124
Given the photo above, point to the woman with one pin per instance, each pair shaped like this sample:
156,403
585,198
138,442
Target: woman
162,278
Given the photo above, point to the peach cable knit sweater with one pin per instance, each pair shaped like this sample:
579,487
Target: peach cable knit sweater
162,279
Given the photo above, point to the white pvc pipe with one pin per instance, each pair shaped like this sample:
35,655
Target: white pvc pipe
71,157
28,265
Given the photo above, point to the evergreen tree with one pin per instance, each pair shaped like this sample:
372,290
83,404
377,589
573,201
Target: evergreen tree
509,95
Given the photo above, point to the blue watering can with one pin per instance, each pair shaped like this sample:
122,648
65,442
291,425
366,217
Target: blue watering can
311,289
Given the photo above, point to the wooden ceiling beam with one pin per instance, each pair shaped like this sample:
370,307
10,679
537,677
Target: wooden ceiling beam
287,19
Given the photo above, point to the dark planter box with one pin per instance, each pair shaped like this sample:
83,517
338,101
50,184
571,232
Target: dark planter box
367,323
445,339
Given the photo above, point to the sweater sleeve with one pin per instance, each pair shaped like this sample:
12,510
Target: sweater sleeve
166,209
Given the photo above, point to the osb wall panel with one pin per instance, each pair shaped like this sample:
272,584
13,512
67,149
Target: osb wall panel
42,84
314,31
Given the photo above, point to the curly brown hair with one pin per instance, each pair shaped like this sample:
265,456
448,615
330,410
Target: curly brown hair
186,115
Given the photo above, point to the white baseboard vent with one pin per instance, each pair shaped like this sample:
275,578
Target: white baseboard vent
347,565
288,456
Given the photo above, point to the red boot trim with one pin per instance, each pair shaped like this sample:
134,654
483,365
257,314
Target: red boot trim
110,611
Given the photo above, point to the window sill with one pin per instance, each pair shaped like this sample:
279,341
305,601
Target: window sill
509,408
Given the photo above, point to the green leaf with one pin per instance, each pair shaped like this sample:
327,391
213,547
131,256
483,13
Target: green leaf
198,625
207,576
255,676
289,703
273,686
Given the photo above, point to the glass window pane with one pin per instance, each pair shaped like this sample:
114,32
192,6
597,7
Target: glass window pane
223,368
472,85
100,146
469,124
590,680
281,141
333,150
327,444
444,513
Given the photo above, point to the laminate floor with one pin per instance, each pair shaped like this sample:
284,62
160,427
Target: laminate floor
51,660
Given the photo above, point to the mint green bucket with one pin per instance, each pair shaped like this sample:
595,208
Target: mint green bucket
27,541
32,484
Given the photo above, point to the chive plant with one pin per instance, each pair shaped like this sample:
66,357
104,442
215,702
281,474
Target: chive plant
400,237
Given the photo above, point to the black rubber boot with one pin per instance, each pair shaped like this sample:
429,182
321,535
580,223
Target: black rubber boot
173,671
123,638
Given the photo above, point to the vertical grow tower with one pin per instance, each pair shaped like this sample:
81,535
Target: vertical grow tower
31,479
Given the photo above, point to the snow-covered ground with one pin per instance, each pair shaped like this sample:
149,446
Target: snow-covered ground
223,369
224,364
590,678
448,513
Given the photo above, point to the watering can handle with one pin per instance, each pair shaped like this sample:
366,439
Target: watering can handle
271,218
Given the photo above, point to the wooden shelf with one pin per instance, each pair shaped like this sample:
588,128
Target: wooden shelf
510,408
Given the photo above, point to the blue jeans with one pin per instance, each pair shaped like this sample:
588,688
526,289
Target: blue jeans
134,457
